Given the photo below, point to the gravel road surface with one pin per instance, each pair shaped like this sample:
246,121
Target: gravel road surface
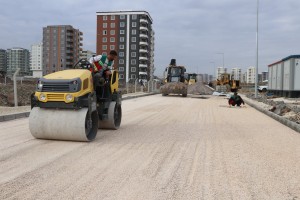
167,148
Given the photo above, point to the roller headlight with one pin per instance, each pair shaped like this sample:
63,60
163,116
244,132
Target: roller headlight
42,97
69,98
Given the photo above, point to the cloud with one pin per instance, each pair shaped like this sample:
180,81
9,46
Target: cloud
191,31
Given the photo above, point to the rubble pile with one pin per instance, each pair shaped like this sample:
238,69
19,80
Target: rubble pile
288,108
199,88
24,91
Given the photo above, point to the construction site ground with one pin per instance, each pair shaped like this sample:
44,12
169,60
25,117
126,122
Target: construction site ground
166,148
288,108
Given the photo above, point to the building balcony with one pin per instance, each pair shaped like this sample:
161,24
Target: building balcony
143,51
143,28
143,58
144,43
143,73
143,36
143,21
142,65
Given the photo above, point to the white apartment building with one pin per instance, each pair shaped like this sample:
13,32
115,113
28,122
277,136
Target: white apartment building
251,75
236,73
219,71
36,60
86,54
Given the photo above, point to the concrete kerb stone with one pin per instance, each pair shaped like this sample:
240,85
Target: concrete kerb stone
4,118
288,123
14,116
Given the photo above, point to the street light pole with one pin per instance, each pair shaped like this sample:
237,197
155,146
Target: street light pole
214,69
256,70
223,58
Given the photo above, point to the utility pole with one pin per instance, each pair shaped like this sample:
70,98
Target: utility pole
256,69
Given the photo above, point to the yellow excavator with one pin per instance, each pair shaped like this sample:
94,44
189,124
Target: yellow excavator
227,83
192,78
67,106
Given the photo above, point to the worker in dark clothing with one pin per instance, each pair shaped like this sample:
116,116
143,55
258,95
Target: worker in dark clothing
235,99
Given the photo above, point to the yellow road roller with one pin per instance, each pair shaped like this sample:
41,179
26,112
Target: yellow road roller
68,106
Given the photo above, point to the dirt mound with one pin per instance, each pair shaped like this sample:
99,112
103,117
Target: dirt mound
200,88
288,108
24,91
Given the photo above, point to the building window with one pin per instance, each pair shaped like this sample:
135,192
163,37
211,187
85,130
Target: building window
133,47
133,54
104,39
133,69
133,31
133,61
112,39
122,24
104,32
112,25
122,16
104,47
104,53
121,46
134,16
112,47
133,39
112,32
121,61
104,25
112,17
122,31
122,39
133,76
121,54
133,24
121,69
121,76
104,17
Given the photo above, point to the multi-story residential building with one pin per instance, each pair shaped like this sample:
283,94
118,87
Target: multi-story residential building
205,78
86,54
61,47
236,73
2,61
36,60
265,76
18,58
210,78
251,75
130,33
244,77
219,71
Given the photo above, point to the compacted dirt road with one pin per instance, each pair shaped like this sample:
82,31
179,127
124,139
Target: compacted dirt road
167,148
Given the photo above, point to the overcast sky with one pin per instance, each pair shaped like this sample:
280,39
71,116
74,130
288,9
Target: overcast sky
192,31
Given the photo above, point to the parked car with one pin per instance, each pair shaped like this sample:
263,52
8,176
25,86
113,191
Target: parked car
262,88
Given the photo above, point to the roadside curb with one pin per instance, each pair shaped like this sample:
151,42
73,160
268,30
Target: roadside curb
4,118
284,121
9,117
